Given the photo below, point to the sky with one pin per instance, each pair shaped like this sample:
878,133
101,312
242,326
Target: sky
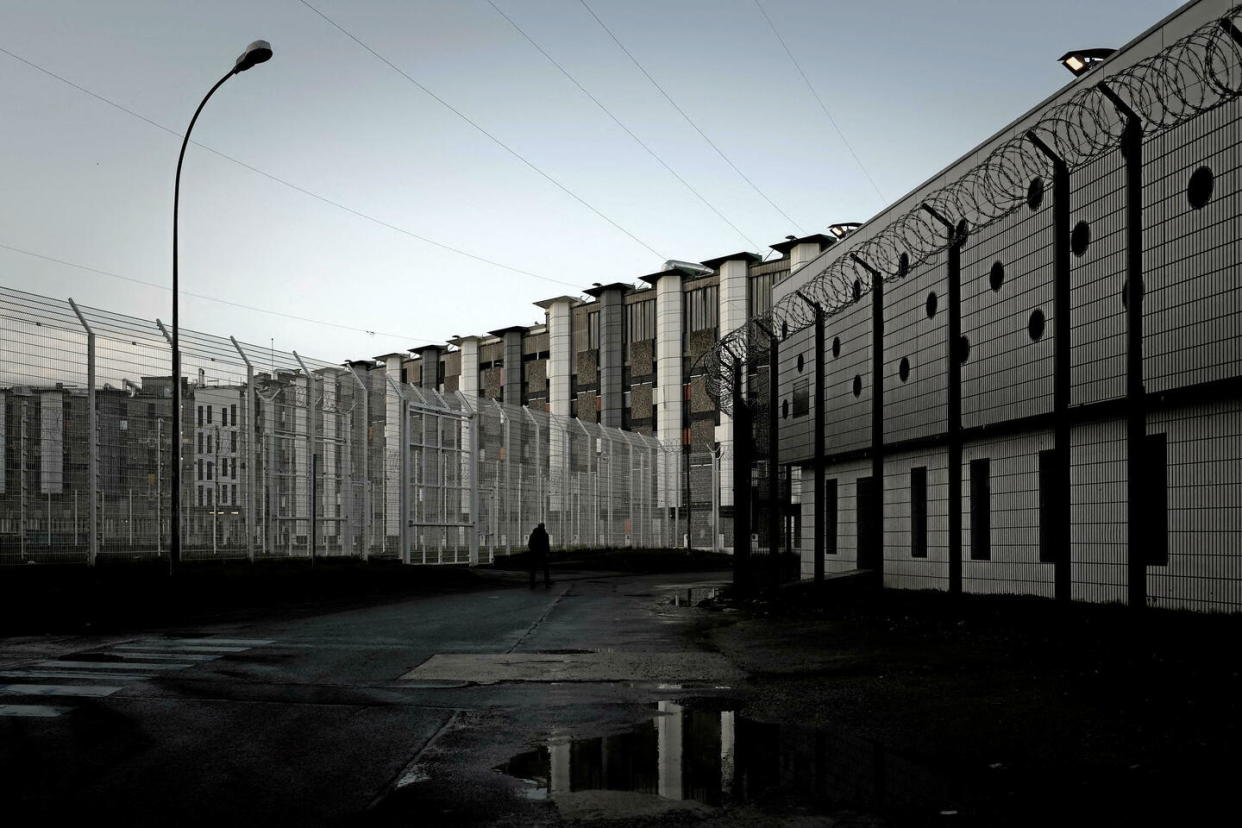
345,181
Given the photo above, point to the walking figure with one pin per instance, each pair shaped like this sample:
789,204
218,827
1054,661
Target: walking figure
539,548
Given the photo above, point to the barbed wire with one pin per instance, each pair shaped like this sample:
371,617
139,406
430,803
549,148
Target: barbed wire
1194,74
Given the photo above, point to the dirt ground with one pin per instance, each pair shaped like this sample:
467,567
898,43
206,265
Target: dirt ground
1028,712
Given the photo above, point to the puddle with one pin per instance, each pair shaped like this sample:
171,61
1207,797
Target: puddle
693,596
715,757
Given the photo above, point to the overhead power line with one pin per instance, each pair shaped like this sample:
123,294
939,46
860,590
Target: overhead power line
228,302
687,118
304,191
618,122
820,101
483,131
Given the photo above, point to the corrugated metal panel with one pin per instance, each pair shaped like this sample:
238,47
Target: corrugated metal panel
1014,567
901,569
1205,508
1007,374
1193,308
1098,551
849,416
915,407
1097,318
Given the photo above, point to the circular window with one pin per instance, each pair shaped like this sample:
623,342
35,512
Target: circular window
857,385
800,363
857,290
1035,327
931,304
1080,238
1035,193
903,265
784,330
997,277
785,409
903,369
963,348
836,346
1199,190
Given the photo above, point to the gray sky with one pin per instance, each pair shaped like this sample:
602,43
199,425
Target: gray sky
912,85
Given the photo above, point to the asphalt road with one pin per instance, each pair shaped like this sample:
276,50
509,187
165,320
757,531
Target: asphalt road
391,713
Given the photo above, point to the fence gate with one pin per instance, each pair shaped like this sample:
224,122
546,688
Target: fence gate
439,498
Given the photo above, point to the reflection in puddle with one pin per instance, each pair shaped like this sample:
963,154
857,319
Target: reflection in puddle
717,757
694,596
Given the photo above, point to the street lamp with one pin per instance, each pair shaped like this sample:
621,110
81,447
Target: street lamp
256,53
843,229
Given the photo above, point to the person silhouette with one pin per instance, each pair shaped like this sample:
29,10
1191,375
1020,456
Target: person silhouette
539,548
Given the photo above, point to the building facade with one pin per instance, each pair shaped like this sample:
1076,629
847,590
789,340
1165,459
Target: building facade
1032,364
626,356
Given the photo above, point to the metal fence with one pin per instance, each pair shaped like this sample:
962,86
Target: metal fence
285,456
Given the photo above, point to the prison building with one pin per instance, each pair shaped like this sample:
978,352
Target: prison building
1046,398
625,356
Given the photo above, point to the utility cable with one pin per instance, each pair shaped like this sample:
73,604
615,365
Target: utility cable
480,129
687,118
822,106
626,129
228,302
284,182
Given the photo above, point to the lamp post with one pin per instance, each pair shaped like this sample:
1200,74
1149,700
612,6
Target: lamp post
254,54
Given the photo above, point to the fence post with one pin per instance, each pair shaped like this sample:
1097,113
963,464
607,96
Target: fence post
248,447
403,485
475,425
311,487
364,494
92,440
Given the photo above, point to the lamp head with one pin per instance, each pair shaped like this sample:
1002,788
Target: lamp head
258,52
844,228
1079,61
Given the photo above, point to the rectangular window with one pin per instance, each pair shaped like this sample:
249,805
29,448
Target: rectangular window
233,494
209,407
980,511
200,415
918,512
233,414
224,415
830,517
1156,500
209,444
1050,545
199,442
209,498
232,441
701,309
199,466
801,397
640,321
864,516
759,294
200,495
593,329
211,467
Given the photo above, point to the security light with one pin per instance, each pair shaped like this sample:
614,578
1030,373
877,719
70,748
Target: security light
844,228
1079,61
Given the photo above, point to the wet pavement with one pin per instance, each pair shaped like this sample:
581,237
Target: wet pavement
605,699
